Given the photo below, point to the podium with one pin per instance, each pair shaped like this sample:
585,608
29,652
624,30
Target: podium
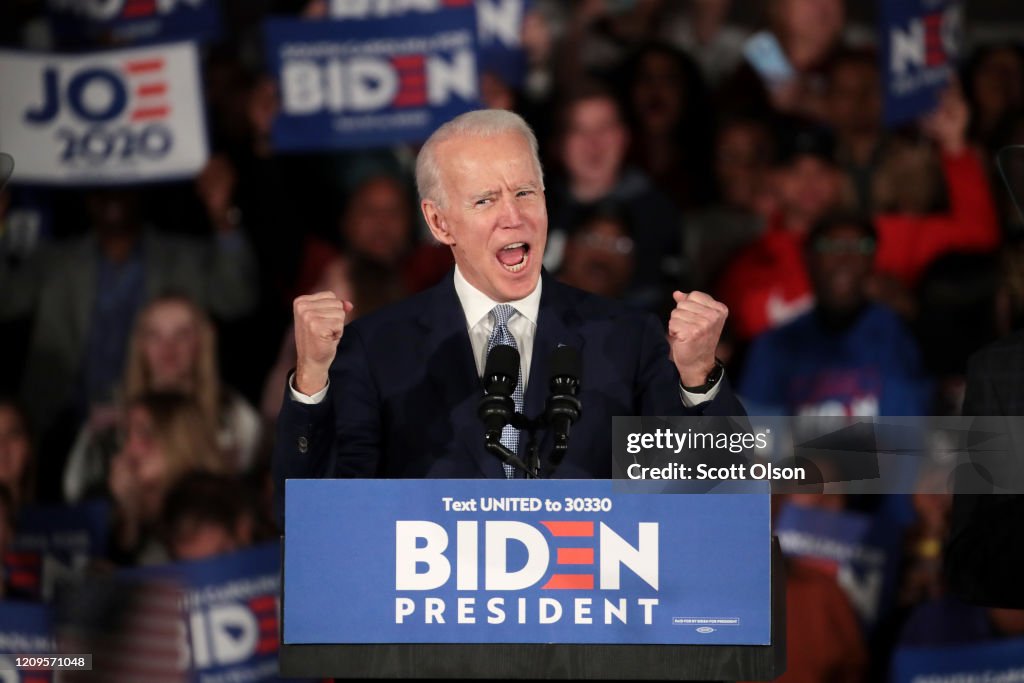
562,579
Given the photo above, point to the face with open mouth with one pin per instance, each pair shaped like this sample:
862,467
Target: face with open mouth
494,217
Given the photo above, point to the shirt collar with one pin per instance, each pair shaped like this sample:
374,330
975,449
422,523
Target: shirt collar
477,305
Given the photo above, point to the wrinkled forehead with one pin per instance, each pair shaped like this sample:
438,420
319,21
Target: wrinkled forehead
469,162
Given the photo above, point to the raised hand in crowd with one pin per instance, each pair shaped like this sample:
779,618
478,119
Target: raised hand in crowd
947,125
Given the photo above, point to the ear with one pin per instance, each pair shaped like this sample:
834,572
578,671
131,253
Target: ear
435,219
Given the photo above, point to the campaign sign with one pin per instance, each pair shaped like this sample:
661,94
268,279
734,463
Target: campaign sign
53,542
352,84
510,561
134,22
1001,660
229,612
499,26
920,43
121,116
862,550
25,629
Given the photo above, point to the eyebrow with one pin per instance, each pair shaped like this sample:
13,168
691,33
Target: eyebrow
484,194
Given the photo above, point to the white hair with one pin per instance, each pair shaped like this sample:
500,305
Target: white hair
480,123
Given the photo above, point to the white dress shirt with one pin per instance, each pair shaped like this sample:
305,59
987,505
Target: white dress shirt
477,307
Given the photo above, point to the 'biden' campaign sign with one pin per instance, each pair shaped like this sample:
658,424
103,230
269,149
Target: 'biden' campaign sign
508,561
920,42
372,82
134,22
107,117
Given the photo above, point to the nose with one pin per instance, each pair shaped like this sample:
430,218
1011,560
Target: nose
511,215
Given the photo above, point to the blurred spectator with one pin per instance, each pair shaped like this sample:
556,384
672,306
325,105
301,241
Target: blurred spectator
592,142
7,515
847,356
700,27
17,460
994,85
922,577
744,150
956,315
888,174
767,285
808,32
538,40
671,116
599,253
166,436
823,636
378,226
598,34
206,515
173,348
87,291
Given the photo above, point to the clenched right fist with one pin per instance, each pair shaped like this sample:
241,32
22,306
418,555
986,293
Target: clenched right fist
319,324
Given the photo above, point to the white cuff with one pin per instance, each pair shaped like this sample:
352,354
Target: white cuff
689,399
318,397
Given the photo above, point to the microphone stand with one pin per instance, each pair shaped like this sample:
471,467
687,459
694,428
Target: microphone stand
532,465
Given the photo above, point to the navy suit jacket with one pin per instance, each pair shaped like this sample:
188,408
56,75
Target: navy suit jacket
404,391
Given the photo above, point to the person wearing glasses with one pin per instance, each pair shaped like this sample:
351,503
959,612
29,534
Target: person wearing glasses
848,355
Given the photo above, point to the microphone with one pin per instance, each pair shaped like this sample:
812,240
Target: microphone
563,408
500,376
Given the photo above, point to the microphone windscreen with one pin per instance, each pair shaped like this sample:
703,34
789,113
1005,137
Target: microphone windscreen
566,362
503,363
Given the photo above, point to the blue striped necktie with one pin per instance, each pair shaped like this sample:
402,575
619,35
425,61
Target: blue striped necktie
501,314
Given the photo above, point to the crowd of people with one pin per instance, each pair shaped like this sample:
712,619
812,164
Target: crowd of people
146,334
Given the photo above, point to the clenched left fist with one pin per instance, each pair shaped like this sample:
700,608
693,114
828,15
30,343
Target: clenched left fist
694,328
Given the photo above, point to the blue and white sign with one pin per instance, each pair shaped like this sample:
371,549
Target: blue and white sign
25,629
53,542
863,550
230,609
499,25
1001,660
134,22
371,83
920,43
120,116
508,561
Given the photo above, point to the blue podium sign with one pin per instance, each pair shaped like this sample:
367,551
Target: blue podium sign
551,561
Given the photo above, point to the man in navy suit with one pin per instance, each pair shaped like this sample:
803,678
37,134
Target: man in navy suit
396,393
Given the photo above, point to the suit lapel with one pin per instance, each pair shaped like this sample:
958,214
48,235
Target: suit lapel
453,374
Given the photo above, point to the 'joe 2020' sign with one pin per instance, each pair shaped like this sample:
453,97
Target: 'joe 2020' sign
118,116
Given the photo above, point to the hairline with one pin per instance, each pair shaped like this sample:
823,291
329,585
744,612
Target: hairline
480,123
